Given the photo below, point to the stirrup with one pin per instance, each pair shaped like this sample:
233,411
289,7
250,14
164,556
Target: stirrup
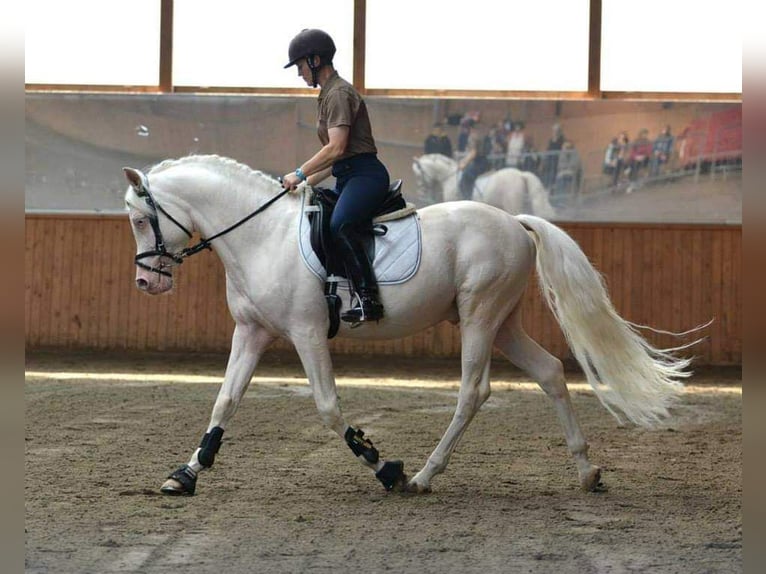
366,309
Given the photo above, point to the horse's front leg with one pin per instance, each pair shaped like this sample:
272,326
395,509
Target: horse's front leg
315,357
247,346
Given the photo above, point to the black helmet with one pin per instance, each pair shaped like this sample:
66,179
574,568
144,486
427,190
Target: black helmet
311,42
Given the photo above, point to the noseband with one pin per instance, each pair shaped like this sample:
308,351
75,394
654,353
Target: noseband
159,242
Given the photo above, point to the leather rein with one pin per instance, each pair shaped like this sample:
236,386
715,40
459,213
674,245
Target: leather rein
159,242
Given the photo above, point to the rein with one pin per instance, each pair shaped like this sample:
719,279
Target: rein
204,243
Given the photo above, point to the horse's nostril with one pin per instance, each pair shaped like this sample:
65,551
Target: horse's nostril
142,284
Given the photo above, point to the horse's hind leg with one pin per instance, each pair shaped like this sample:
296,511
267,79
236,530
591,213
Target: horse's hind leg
474,390
318,366
547,370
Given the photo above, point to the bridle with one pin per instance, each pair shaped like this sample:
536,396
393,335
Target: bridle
160,250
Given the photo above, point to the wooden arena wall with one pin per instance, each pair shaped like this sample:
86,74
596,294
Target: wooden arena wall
80,294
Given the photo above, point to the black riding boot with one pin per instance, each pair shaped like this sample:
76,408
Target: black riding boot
359,272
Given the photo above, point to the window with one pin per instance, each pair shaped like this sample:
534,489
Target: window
244,44
92,42
481,45
677,46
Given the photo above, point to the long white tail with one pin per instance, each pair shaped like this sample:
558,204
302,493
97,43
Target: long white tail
624,370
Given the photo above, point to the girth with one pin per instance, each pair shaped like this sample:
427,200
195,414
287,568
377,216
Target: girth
323,202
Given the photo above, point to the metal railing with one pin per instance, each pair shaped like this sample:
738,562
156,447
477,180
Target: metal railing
561,172
565,174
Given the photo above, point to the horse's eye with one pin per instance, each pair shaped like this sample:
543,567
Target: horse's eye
140,223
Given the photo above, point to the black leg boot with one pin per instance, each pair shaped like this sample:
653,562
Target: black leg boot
367,308
359,272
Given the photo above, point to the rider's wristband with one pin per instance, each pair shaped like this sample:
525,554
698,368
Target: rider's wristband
299,173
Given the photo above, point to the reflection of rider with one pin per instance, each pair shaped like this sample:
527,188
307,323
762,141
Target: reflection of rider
348,152
474,163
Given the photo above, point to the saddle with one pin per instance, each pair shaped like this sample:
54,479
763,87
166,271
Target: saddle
321,205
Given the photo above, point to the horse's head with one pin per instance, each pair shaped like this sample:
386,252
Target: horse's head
160,237
432,173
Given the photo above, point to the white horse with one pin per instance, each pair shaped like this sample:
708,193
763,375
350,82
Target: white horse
509,189
474,269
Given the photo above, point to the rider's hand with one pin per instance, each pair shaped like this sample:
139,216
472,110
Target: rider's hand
290,181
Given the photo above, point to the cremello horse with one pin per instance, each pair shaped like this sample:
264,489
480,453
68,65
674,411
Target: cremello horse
475,264
509,189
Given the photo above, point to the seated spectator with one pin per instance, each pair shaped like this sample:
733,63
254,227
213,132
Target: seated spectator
611,157
640,152
661,151
622,158
438,142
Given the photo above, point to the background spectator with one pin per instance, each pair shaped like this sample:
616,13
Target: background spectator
611,156
640,152
661,151
517,145
569,167
508,124
463,133
623,157
475,161
550,163
496,145
438,142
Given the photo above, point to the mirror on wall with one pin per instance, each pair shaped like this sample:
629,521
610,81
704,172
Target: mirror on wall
673,162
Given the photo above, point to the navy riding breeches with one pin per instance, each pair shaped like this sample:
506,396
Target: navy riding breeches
362,183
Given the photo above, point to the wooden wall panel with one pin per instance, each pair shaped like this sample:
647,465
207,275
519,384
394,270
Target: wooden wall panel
79,279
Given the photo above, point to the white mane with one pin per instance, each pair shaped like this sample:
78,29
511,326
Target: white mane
439,161
225,165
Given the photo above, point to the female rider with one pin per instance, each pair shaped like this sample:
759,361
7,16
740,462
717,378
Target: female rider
348,152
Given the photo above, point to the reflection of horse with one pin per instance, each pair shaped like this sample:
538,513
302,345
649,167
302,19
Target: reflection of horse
509,189
474,268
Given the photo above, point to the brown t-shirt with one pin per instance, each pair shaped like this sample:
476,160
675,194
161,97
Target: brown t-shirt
341,105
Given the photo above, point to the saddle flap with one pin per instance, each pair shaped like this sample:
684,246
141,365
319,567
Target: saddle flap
397,251
325,200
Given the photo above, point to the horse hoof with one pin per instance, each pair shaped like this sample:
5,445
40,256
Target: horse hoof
173,488
182,482
591,482
413,487
392,476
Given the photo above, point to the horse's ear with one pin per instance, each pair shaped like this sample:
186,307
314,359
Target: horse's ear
416,163
136,178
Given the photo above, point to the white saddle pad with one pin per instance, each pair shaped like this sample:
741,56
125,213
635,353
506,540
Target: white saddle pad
397,253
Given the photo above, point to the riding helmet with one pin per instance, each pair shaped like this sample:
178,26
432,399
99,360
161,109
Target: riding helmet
311,42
